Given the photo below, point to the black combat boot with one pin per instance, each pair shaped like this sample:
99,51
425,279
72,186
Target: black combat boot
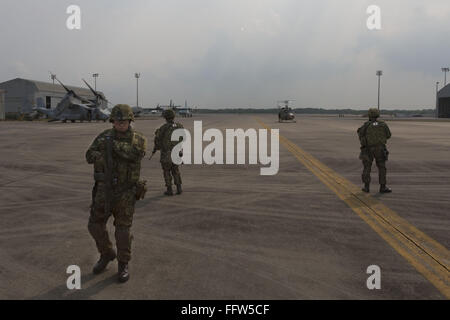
169,191
384,189
103,262
123,274
179,190
366,188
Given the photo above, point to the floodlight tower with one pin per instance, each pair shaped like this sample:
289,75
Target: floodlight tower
379,74
445,70
137,76
437,100
95,76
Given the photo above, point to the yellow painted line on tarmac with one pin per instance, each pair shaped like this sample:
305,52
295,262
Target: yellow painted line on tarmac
428,256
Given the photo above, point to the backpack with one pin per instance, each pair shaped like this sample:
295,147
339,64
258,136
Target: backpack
165,137
375,133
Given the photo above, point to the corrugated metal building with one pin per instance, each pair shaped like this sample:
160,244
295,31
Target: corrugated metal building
2,105
443,102
21,95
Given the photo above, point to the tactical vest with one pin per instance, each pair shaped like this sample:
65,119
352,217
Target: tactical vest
124,172
129,171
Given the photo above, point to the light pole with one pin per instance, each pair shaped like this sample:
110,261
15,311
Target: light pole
95,75
379,74
437,100
137,75
445,70
53,76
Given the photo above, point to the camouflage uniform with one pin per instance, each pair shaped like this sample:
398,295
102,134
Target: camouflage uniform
373,136
163,142
128,149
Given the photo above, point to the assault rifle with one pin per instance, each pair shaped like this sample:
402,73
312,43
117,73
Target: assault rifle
108,174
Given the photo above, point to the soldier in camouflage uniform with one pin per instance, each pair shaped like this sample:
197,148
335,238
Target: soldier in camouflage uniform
163,142
373,136
116,155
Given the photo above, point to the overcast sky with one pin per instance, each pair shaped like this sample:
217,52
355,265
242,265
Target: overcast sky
234,53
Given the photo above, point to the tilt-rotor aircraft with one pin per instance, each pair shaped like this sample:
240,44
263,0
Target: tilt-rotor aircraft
73,107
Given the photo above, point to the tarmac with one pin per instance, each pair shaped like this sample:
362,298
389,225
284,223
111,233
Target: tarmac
304,233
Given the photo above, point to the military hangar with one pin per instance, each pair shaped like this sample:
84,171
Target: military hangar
21,95
2,105
443,102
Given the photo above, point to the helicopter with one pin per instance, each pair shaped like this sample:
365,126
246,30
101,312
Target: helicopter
285,112
73,107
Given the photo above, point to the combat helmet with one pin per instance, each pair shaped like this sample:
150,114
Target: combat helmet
373,113
121,112
169,114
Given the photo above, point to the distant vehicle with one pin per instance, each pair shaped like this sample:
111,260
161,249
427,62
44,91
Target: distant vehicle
137,111
73,107
285,112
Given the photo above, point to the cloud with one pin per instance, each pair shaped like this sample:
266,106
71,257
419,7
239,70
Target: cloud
233,53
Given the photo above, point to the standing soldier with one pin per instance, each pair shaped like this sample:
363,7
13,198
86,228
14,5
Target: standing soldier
116,155
373,136
164,143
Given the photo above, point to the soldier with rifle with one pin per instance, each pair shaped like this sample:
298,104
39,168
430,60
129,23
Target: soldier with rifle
163,142
116,155
373,136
